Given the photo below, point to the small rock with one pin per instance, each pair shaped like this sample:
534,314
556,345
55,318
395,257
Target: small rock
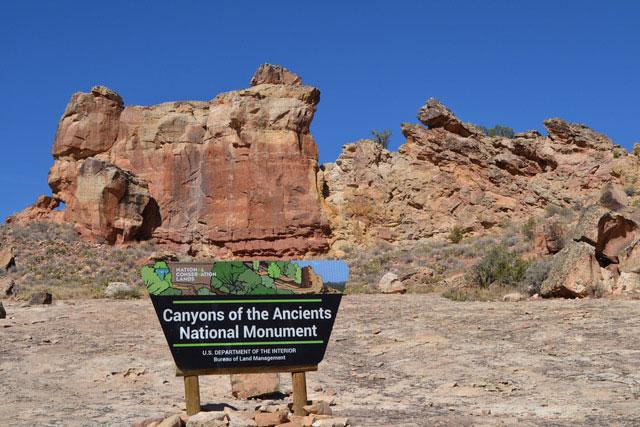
331,422
271,419
239,419
317,388
40,298
147,422
390,284
245,386
319,407
208,419
513,297
8,287
118,290
172,421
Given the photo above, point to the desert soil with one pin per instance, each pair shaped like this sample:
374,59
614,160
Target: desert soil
406,360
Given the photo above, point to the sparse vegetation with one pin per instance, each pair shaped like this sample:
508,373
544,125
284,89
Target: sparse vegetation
618,151
499,265
383,137
636,149
536,273
498,130
528,228
457,234
52,257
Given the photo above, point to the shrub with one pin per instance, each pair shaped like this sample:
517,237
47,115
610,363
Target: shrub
498,265
536,273
456,295
636,149
456,234
498,130
528,227
630,190
383,137
618,152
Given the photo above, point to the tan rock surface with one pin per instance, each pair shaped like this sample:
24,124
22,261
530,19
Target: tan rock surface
450,174
536,363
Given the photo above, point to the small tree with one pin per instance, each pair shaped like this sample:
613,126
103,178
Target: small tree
498,130
456,234
383,137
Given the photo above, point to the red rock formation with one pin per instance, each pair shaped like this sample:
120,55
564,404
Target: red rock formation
235,175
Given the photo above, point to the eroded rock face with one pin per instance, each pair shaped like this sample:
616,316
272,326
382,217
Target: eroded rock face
450,174
574,273
108,202
234,175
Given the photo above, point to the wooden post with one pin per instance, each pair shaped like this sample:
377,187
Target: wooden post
192,394
299,382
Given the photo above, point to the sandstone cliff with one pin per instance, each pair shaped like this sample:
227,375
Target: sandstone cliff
449,174
234,175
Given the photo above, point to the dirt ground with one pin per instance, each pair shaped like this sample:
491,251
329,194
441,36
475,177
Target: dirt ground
406,360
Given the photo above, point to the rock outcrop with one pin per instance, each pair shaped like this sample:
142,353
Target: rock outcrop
232,176
602,259
449,174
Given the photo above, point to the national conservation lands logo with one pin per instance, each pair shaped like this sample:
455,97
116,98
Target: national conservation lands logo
246,314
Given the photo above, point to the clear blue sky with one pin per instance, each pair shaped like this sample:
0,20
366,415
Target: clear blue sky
509,62
329,270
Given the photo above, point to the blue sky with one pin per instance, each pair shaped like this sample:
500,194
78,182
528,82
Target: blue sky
329,270
509,62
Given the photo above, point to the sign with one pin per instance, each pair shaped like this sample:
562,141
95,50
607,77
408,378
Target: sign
246,314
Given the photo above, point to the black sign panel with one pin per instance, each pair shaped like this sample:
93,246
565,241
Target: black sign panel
246,314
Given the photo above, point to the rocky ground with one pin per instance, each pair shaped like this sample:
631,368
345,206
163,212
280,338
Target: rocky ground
394,360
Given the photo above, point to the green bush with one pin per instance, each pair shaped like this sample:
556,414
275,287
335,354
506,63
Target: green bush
536,273
499,265
636,149
383,137
498,130
528,227
456,234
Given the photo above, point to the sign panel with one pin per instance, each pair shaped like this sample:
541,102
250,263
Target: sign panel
246,314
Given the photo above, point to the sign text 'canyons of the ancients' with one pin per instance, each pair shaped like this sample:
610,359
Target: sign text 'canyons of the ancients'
246,314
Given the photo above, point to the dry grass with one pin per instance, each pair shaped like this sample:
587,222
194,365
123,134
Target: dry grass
52,257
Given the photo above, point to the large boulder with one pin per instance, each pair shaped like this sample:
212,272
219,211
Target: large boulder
615,233
577,134
107,202
274,75
628,283
574,273
390,283
41,298
586,230
435,115
629,258
7,259
236,175
89,125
